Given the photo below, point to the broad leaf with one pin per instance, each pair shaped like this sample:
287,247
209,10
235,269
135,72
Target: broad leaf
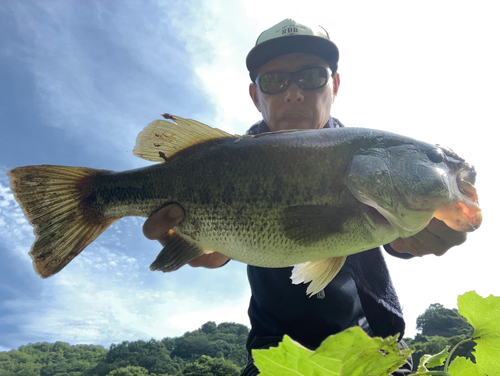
484,315
461,366
289,358
351,352
431,361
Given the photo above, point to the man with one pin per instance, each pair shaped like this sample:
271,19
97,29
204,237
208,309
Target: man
293,68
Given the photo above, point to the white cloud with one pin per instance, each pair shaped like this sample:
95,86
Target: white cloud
103,297
216,38
102,71
93,307
15,231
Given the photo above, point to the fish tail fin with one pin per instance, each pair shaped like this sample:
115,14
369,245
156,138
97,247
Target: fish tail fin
55,200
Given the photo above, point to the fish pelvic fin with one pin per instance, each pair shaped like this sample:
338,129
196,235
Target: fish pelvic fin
161,139
320,273
176,253
53,200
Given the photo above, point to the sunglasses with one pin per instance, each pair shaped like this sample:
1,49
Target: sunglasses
311,78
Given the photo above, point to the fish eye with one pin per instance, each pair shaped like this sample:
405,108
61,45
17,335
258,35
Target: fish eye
435,155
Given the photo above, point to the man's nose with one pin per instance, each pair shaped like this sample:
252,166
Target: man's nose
294,94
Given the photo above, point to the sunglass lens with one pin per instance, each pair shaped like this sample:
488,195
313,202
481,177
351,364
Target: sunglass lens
273,83
312,78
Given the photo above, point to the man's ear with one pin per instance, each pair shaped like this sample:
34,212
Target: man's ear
336,83
253,91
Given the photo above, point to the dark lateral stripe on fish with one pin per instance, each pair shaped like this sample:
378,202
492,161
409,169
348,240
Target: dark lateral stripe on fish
307,224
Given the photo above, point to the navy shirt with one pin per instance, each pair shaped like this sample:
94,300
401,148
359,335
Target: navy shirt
278,307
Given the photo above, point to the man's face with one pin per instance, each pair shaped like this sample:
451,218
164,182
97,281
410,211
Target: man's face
295,108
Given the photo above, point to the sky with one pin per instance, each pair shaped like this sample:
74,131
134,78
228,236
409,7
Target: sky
80,79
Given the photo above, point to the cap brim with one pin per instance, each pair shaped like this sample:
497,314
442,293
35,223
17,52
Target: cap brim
268,50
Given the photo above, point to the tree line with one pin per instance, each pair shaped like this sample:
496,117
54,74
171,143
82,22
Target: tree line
211,350
219,348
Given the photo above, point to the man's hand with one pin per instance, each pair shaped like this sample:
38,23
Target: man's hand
436,238
159,224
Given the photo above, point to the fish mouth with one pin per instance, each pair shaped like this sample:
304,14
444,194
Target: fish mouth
463,213
462,216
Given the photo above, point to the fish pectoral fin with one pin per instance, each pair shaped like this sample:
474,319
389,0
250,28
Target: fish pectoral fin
306,224
176,253
162,139
320,273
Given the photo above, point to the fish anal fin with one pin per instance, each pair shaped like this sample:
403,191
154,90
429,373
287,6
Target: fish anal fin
176,253
320,273
307,224
161,139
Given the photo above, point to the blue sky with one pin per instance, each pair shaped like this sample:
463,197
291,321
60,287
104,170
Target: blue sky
80,79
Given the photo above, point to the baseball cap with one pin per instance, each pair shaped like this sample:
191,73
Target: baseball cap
290,36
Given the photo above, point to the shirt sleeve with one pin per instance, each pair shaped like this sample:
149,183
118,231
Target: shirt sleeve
392,252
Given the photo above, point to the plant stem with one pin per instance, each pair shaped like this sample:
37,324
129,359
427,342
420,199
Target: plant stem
447,363
439,373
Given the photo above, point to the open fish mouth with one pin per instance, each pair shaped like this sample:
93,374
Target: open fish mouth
463,216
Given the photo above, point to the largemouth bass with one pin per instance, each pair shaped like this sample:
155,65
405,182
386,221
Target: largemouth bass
306,198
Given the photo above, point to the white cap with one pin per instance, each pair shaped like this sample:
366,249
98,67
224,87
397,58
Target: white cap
288,37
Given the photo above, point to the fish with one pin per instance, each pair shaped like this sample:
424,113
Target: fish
302,198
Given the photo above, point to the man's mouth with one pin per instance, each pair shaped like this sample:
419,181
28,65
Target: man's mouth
294,117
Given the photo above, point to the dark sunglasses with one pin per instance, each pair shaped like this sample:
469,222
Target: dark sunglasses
311,78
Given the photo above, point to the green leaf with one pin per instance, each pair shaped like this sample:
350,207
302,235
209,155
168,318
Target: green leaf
351,352
357,353
431,361
484,315
289,358
461,366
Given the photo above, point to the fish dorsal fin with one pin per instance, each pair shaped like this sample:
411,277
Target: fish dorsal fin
161,139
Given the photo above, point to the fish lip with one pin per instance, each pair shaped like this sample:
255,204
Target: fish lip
462,216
